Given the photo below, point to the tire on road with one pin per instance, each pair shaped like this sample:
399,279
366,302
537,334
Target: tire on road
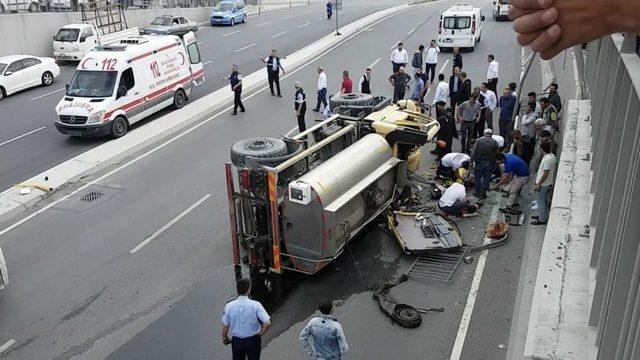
353,99
119,127
179,99
263,148
2,93
232,22
407,316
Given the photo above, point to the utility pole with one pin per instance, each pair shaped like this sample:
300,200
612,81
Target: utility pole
338,8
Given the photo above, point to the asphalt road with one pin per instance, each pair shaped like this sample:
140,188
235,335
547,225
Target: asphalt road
30,144
78,291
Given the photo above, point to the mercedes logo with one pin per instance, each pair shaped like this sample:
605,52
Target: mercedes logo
72,120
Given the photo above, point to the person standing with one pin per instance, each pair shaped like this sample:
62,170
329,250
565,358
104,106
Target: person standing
529,116
492,73
235,79
273,71
544,183
322,90
455,85
447,131
465,91
418,88
490,103
507,105
549,113
399,57
522,146
432,60
323,336
416,62
467,114
300,106
484,157
329,9
532,98
400,82
364,85
442,92
554,97
516,175
245,320
457,59
347,84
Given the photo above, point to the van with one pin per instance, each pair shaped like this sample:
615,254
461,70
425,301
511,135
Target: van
501,10
72,42
119,84
460,26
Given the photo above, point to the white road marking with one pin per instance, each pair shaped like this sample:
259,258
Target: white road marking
207,62
7,345
324,18
21,136
263,24
473,293
412,30
305,13
200,42
287,17
374,63
395,44
169,224
47,94
278,34
181,135
246,47
231,33
304,25
444,66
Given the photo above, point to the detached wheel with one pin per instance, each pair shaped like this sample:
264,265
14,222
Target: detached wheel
407,316
47,78
179,99
119,127
353,99
262,148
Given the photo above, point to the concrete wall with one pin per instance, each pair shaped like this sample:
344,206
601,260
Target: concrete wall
33,33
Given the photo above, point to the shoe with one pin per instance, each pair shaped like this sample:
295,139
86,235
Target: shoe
535,217
234,113
316,110
273,94
538,222
242,110
279,95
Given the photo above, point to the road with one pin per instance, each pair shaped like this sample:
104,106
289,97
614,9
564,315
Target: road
30,144
110,278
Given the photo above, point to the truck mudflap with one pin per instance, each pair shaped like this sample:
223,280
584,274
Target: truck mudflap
4,275
418,232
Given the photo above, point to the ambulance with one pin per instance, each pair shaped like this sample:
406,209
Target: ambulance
119,84
460,26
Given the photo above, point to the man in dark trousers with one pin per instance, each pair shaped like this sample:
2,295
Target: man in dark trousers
235,79
554,97
300,105
448,129
347,84
245,320
416,62
273,70
484,157
465,91
364,85
400,82
329,9
455,85
457,58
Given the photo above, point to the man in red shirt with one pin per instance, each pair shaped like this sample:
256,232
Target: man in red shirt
347,84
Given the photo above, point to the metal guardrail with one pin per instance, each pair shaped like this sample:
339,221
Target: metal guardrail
612,73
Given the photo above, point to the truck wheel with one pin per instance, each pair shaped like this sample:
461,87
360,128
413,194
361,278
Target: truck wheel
352,99
257,148
119,127
407,316
179,99
47,78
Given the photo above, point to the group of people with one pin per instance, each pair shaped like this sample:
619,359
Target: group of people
244,321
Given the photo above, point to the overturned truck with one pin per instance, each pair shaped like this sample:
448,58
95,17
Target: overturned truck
296,202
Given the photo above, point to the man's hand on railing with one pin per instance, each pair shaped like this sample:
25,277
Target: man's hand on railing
549,26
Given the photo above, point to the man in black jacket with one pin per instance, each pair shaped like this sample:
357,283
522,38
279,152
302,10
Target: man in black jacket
457,58
465,90
448,129
455,85
273,70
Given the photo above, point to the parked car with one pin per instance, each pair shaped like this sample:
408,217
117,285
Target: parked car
229,12
19,72
170,25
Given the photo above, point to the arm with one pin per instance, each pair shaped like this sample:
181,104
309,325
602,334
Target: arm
391,57
342,340
238,85
263,60
265,327
304,336
506,178
360,84
281,68
545,175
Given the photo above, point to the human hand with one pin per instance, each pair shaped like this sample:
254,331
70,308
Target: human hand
536,187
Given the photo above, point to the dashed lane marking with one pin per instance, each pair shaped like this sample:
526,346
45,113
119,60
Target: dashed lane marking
21,136
246,47
278,34
7,345
47,94
231,33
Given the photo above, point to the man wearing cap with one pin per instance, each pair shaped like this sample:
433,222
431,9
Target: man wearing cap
484,156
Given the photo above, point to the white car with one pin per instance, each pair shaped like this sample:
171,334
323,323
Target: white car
19,72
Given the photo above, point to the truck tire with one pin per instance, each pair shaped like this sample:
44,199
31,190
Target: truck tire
352,99
257,148
407,316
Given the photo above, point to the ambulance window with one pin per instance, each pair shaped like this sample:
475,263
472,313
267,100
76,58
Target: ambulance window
194,53
127,79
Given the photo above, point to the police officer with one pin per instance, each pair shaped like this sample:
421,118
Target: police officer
235,79
273,70
364,85
300,105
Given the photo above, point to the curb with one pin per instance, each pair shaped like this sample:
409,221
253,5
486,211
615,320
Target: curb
91,161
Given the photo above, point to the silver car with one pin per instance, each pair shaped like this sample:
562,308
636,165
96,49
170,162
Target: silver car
172,25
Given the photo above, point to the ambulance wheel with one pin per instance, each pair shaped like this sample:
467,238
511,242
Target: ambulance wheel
119,127
47,78
179,99
262,148
233,22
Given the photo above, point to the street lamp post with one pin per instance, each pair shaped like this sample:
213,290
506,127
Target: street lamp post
338,8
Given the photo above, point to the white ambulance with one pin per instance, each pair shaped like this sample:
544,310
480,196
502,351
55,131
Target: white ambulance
118,84
501,10
460,26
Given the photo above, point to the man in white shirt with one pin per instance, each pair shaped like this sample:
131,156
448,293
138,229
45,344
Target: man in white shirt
442,92
490,103
322,90
492,73
544,182
454,201
432,60
364,85
451,164
399,57
499,140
